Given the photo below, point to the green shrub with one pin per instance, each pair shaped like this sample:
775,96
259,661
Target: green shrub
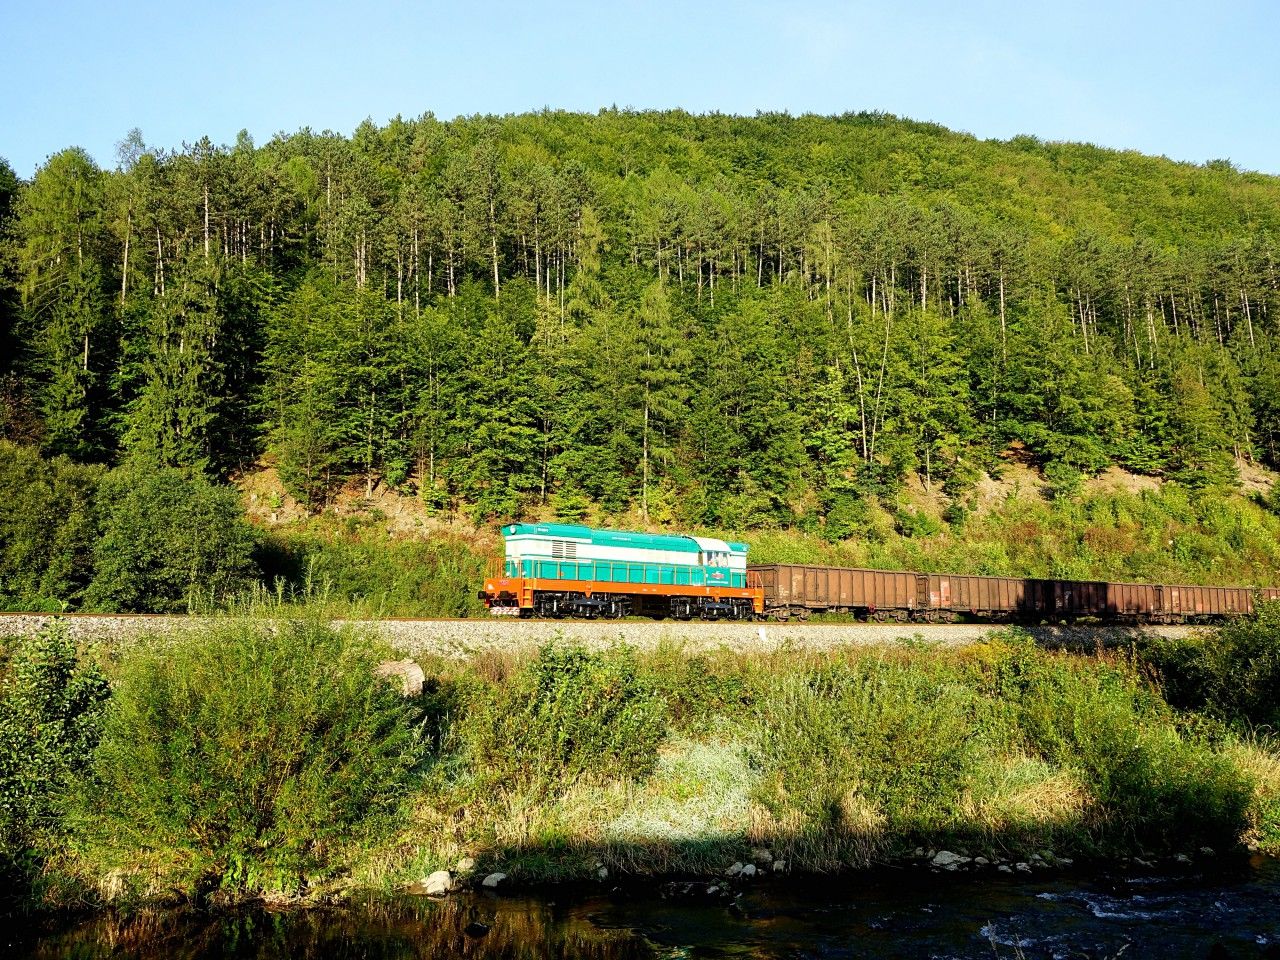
247,755
568,712
50,708
1150,780
1232,674
697,688
168,538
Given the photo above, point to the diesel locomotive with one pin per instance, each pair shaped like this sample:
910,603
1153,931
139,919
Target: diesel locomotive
565,570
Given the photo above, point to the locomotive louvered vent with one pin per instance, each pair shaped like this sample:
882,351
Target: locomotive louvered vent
563,550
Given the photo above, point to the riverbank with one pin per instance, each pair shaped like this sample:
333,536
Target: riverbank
1224,910
263,758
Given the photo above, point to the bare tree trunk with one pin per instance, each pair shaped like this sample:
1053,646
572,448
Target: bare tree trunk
884,362
644,489
159,264
1004,332
124,269
1248,317
857,372
493,246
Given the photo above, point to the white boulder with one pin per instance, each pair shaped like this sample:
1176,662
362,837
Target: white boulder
438,884
408,673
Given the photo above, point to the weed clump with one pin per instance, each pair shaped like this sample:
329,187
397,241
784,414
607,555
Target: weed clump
568,712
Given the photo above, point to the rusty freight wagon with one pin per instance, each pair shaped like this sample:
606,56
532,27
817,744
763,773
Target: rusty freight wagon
1193,603
797,590
990,598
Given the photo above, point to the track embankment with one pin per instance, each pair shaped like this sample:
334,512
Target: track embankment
463,638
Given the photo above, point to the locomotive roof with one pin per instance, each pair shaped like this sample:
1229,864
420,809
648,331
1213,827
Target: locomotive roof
621,538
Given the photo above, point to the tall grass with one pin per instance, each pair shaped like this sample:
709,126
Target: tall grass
833,759
1153,780
374,574
567,713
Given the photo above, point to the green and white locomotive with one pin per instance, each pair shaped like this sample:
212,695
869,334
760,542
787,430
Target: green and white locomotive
557,570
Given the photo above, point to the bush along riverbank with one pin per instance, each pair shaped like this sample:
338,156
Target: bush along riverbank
269,758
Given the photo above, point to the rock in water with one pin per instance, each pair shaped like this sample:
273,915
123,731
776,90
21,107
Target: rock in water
947,860
749,870
734,870
438,884
407,672
493,880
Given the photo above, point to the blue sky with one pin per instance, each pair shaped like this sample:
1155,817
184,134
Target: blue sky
1194,81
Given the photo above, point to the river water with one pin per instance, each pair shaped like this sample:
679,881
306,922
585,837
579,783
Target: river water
1232,911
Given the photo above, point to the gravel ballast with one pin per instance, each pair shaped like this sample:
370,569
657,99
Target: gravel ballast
462,638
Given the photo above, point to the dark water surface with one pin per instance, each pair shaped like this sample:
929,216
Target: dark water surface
1232,912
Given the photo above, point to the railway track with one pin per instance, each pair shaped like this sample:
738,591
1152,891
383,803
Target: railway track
463,637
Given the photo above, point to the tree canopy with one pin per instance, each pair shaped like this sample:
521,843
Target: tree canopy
706,319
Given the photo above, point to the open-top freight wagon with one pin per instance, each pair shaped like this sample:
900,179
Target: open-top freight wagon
794,590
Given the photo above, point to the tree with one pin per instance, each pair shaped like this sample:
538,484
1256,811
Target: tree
47,529
61,254
168,539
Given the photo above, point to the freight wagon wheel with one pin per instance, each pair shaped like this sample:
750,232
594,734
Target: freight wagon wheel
879,616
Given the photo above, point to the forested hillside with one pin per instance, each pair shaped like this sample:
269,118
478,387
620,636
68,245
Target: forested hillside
707,320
